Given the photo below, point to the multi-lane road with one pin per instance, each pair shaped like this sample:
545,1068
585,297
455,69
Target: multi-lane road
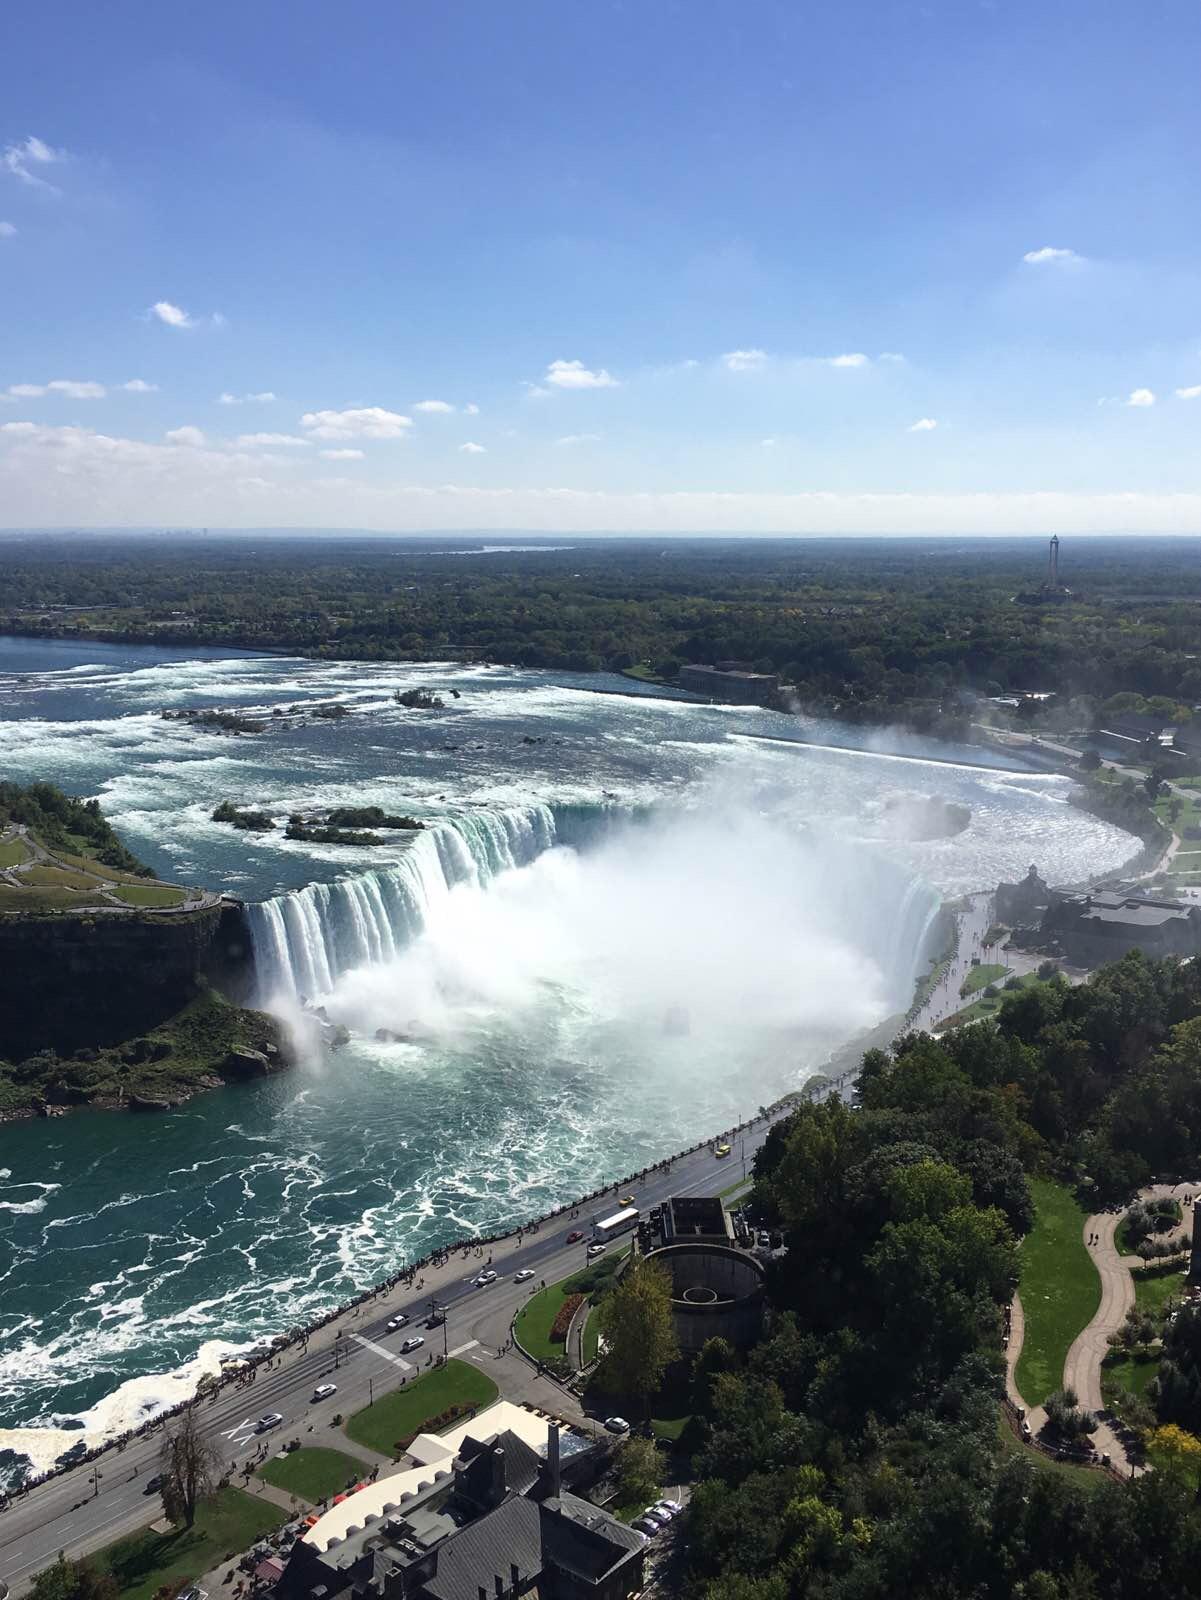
81,1510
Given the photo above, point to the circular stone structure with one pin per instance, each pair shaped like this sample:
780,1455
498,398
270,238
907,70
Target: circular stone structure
717,1292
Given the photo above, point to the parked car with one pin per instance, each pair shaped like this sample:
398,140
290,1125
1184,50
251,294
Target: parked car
412,1344
617,1425
575,1236
672,1505
524,1275
268,1420
193,1594
398,1321
645,1526
659,1518
597,1249
324,1390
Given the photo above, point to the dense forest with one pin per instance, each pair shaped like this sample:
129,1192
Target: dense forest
63,823
857,1451
864,628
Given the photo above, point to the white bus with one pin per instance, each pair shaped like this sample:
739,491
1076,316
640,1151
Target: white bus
613,1227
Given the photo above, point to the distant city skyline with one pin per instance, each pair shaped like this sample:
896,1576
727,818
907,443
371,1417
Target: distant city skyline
927,268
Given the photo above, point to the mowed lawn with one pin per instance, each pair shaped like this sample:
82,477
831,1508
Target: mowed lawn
226,1525
1060,1289
408,1410
313,1473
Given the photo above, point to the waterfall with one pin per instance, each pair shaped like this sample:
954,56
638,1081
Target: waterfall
304,940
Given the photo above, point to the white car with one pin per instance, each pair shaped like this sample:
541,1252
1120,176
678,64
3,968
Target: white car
268,1420
617,1425
656,1515
409,1345
324,1390
646,1526
524,1275
398,1321
482,1279
596,1249
673,1506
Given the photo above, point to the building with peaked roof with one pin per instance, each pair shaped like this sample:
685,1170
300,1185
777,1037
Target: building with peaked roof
498,1523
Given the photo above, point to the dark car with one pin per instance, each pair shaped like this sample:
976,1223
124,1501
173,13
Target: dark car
153,1485
575,1236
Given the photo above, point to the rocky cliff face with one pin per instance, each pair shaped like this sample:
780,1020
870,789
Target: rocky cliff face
69,982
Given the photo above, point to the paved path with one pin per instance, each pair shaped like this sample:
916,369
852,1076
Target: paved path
1035,1415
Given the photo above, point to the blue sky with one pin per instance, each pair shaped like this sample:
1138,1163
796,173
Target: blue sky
863,267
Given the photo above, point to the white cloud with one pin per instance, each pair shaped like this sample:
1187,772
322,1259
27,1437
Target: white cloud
174,316
1193,392
251,440
923,425
192,437
73,388
342,455
471,409
363,422
440,406
51,477
575,375
140,386
1051,253
890,355
769,444
20,159
8,230
578,438
855,359
1141,397
262,398
470,448
743,360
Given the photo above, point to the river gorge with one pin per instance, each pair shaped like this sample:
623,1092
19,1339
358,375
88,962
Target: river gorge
626,920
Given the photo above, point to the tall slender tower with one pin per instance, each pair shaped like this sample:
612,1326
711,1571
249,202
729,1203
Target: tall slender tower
1053,563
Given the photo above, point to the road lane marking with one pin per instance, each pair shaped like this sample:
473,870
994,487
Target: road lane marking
234,1433
378,1349
471,1344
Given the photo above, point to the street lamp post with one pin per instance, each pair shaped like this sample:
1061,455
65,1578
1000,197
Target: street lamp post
96,1477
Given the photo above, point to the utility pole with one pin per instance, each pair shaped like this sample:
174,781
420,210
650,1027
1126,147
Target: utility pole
96,1477
435,1308
370,1391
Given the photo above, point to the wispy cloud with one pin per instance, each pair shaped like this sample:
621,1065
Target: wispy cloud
569,439
140,386
470,448
575,375
1193,392
855,359
1051,254
251,439
438,407
769,444
174,316
361,422
8,230
744,360
188,435
263,397
471,409
342,455
1140,397
21,159
923,425
73,388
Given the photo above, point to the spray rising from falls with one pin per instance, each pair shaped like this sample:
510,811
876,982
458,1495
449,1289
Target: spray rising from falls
305,941
721,913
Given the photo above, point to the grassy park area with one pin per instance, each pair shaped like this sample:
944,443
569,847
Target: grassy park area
1060,1289
312,1473
226,1524
980,977
537,1317
408,1410
1152,1290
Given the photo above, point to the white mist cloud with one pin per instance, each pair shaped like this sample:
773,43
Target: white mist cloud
1050,255
744,360
575,375
362,422
434,407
